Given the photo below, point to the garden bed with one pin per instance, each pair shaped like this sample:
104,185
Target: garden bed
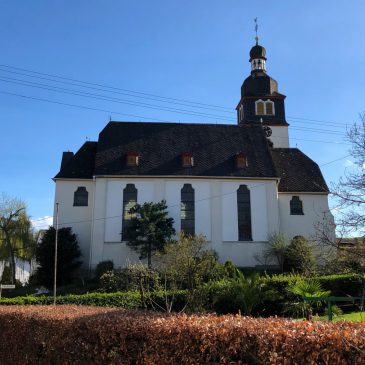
92,335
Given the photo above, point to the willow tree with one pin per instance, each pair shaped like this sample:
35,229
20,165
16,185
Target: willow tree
16,234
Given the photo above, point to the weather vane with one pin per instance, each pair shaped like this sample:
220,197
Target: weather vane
256,28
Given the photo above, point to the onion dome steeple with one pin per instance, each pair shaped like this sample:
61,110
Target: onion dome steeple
260,101
258,54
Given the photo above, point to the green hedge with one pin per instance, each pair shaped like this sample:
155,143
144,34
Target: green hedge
339,285
127,300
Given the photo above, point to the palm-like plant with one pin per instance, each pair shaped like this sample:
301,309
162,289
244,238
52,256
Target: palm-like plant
251,291
306,289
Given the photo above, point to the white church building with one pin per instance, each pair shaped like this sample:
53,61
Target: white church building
235,184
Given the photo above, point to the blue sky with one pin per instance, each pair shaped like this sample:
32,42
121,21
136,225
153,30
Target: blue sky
192,50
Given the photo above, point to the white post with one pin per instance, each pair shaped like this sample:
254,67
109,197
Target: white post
55,259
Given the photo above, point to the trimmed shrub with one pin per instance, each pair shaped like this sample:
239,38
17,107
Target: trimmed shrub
126,300
299,256
134,277
86,335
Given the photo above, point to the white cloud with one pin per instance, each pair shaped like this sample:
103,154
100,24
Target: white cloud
42,222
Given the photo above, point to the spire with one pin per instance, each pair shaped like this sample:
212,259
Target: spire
256,28
257,54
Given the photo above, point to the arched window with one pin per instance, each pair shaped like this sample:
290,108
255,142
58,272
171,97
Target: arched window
260,107
296,206
270,108
81,197
187,210
129,201
244,214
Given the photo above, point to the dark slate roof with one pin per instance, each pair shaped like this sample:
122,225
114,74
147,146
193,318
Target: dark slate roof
161,145
259,83
297,171
81,166
257,51
214,146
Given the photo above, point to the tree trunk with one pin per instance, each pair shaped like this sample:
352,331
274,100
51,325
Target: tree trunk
11,256
149,255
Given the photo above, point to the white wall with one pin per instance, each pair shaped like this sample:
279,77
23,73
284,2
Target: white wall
69,215
314,205
280,136
215,214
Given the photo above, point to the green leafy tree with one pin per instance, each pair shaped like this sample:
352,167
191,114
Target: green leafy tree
16,233
68,257
188,262
299,256
149,229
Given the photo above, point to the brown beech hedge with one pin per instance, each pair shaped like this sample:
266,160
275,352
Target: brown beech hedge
91,335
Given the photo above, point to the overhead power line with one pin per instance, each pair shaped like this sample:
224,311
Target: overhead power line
116,88
144,105
144,95
140,117
139,104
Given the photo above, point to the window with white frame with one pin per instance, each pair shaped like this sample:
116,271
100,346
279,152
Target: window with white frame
269,107
260,107
265,107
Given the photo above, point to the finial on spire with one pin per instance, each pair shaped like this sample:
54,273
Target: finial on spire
256,28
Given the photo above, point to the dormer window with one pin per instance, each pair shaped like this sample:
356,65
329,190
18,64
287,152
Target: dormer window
241,160
132,158
187,159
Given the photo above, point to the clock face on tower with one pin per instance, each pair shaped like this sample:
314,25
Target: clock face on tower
268,131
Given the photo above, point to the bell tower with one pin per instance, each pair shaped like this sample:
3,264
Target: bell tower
261,101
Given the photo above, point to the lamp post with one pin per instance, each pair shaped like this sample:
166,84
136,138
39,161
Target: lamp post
55,259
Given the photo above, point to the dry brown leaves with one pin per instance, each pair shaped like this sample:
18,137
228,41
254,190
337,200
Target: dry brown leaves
91,335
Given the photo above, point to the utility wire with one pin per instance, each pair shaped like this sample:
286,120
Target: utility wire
309,130
117,88
138,104
111,89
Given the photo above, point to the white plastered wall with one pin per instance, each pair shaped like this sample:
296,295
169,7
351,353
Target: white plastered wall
215,212
314,208
79,218
280,136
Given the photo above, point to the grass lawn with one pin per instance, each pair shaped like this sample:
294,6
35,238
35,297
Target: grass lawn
354,316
